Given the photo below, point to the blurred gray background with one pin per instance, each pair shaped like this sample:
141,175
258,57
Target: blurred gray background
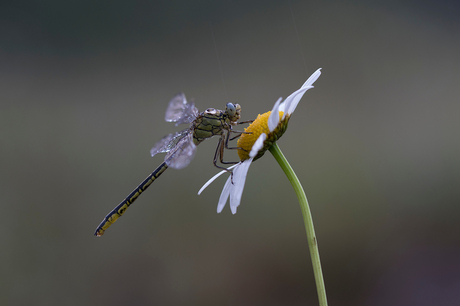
83,90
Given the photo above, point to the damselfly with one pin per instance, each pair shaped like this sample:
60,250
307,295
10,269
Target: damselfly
181,146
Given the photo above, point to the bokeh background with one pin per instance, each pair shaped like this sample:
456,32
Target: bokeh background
83,90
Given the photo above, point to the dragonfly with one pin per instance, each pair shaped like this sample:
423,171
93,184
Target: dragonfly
180,147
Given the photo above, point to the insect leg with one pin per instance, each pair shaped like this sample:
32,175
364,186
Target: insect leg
243,122
228,138
233,138
219,155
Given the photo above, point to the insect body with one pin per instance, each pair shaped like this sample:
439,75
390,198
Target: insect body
180,147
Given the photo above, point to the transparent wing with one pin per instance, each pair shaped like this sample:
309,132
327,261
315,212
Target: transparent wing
190,113
182,154
181,111
168,142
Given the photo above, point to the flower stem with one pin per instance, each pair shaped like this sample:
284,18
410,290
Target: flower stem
312,242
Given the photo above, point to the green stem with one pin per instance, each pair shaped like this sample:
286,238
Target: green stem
312,242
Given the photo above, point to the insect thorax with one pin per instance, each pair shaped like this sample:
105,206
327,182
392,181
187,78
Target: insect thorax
209,123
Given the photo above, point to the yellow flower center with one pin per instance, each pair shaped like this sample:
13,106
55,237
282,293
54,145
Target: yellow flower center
255,129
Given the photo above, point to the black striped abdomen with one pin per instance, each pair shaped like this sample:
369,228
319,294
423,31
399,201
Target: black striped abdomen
118,211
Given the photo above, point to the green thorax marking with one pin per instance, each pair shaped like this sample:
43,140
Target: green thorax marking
210,123
213,122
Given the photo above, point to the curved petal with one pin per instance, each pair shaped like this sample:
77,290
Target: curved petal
289,105
212,179
259,144
239,178
296,99
312,79
291,102
274,118
224,195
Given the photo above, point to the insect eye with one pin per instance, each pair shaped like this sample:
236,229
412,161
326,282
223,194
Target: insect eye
231,109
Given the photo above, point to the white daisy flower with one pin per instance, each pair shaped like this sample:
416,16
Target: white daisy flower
259,137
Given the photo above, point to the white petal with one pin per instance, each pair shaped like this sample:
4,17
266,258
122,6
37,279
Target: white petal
239,178
274,118
296,99
258,145
312,78
225,193
292,100
289,105
281,108
212,179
